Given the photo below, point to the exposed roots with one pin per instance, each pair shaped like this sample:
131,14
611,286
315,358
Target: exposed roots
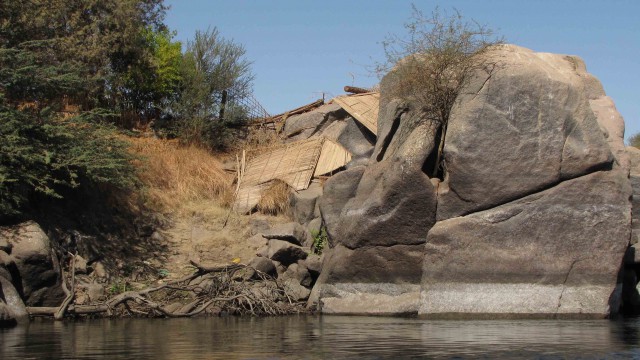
233,289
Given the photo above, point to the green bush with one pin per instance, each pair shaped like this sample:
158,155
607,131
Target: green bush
320,240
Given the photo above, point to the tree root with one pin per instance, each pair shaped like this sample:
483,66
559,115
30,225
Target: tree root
229,290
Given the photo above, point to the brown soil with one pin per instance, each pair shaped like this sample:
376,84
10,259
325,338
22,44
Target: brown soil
199,235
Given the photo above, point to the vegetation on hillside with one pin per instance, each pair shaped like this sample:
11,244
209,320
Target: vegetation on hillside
74,74
434,61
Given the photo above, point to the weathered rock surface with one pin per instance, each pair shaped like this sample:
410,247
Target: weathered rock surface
303,203
299,273
555,252
395,202
12,308
337,191
355,138
373,280
263,264
291,232
303,126
39,281
285,252
523,128
295,290
313,263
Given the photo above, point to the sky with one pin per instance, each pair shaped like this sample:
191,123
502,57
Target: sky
303,49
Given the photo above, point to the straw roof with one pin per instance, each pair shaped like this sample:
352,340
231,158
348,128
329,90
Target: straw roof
332,157
293,163
363,107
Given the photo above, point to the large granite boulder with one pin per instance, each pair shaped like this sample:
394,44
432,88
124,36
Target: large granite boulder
37,278
531,218
522,128
555,252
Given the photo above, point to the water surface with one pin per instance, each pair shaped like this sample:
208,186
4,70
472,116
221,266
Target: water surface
315,337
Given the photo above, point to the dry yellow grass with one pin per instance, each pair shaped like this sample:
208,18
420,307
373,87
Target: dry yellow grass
275,199
175,175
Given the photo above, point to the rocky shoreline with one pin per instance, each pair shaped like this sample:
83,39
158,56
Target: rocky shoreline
533,214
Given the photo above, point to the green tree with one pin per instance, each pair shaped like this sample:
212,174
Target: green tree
59,66
149,87
434,61
211,65
635,140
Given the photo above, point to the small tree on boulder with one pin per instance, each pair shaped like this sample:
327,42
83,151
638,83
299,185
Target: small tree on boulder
434,62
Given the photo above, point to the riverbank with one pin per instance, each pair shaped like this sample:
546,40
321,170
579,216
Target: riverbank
172,248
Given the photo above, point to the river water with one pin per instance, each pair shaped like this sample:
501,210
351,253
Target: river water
320,337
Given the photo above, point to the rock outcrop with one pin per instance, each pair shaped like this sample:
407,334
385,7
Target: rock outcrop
531,218
35,277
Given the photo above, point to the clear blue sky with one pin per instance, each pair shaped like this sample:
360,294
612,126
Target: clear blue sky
301,49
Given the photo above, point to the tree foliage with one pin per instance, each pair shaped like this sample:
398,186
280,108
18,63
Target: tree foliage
59,66
210,66
71,71
434,61
634,140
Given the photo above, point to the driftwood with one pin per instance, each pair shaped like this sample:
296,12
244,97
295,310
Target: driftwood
249,293
355,90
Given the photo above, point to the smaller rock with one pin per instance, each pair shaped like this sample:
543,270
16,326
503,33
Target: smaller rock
264,265
95,292
303,203
80,265
280,269
81,298
313,263
99,270
12,300
299,273
291,232
257,239
295,290
258,226
263,251
285,252
313,227
6,259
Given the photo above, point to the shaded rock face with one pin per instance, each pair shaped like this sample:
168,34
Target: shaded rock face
532,218
36,278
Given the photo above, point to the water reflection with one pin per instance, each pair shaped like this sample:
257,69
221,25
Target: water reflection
319,337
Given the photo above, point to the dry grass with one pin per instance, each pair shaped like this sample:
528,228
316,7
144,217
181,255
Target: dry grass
176,175
261,139
275,199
